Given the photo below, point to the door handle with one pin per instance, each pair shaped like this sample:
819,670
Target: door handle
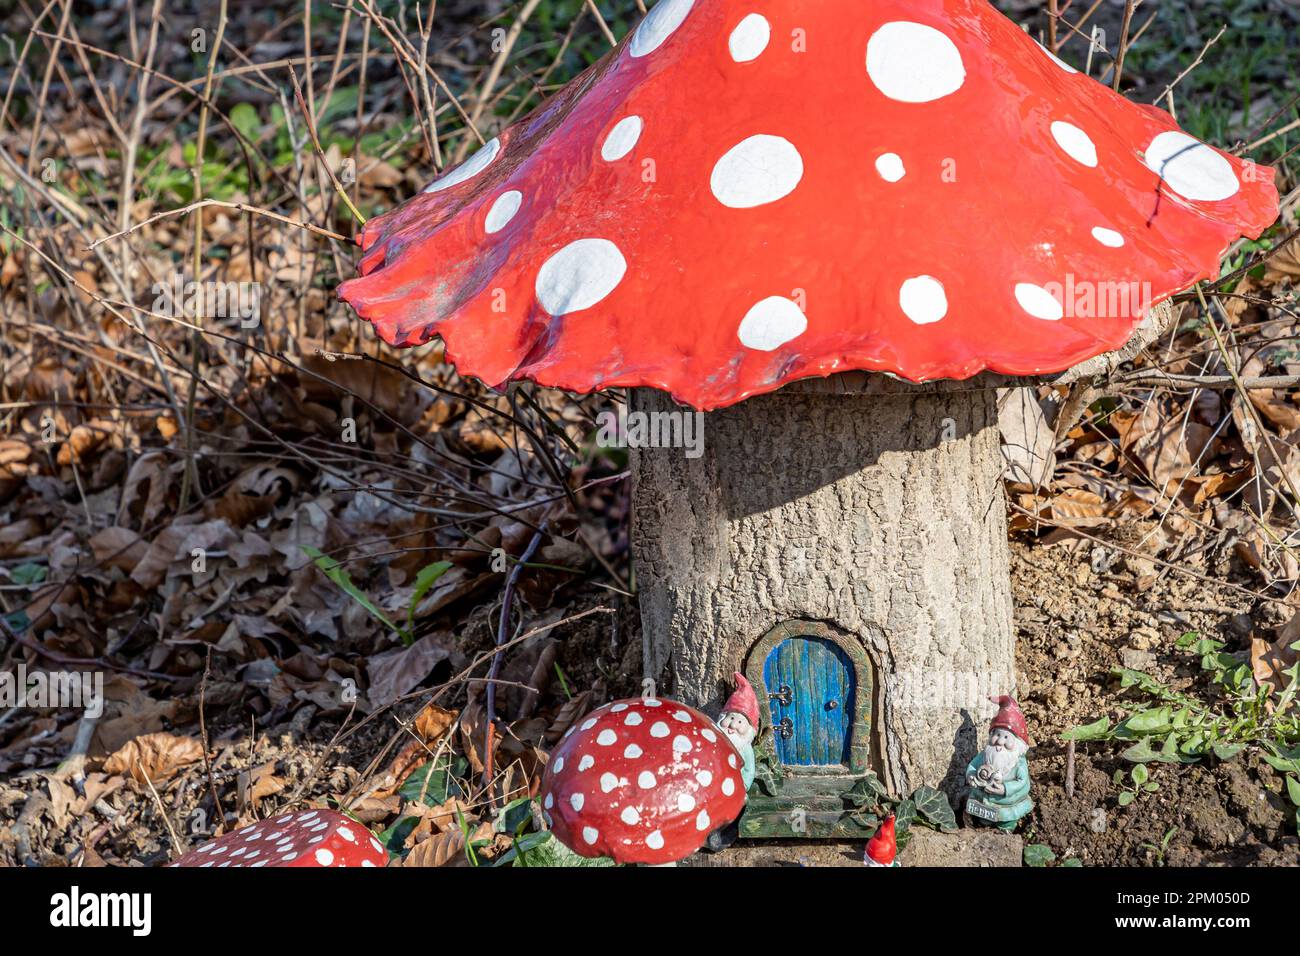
785,728
783,696
832,704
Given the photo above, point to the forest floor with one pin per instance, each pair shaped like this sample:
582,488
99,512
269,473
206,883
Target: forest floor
288,569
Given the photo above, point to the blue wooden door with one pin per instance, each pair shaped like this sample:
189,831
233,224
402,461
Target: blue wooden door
810,691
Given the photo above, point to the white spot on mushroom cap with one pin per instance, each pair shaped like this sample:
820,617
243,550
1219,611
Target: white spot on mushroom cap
685,803
704,777
608,782
702,820
728,787
655,840
630,815
914,63
633,719
590,835
587,762
1056,59
646,780
502,211
578,276
756,171
589,723
772,323
750,38
682,716
632,751
617,708
606,737
576,801
923,300
659,729
890,167
480,161
346,834
324,857
709,735
621,139
1077,144
558,765
682,745
1108,237
1038,302
659,25
549,802
1190,168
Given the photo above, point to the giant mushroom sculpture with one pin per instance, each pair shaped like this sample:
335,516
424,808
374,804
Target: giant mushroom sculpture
748,194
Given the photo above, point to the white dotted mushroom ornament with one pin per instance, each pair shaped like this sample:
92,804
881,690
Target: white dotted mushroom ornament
644,780
743,194
309,838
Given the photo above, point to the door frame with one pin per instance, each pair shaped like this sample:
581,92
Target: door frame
864,688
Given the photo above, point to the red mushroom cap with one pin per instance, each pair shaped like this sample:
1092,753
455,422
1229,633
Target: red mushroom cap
642,781
733,199
309,838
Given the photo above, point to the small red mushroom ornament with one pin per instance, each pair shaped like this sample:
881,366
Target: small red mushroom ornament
644,780
744,194
308,838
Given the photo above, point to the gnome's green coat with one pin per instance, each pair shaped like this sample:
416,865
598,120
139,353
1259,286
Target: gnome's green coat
1003,810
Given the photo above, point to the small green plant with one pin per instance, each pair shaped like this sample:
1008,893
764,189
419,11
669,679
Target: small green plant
335,571
1167,726
1163,847
870,803
1138,781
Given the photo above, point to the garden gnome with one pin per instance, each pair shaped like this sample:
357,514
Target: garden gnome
739,721
999,775
883,847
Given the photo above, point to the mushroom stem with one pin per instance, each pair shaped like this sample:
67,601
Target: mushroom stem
874,520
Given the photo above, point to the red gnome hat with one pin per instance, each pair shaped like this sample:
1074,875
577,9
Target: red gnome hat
743,701
1009,717
882,848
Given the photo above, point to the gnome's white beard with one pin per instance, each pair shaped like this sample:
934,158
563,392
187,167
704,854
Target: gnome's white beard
1001,760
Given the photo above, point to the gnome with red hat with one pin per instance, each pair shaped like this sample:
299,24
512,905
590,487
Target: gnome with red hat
883,847
999,775
739,721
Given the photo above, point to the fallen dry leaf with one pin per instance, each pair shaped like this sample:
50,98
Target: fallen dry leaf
154,756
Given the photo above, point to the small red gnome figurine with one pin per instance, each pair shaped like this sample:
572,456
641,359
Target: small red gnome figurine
882,848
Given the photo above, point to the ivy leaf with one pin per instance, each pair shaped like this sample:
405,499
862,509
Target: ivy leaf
905,815
866,792
441,776
934,808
